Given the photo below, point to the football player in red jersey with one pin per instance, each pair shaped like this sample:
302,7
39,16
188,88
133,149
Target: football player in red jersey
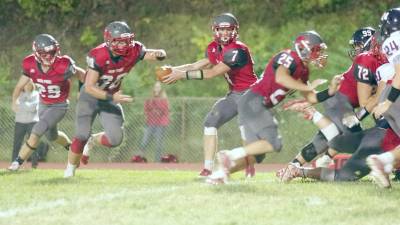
356,90
51,73
227,57
378,139
288,70
108,63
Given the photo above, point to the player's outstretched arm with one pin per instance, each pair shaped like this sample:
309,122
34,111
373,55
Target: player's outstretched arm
196,74
155,54
19,87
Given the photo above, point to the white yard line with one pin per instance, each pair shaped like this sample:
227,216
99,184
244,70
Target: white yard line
40,206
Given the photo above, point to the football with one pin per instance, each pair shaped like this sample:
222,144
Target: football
161,72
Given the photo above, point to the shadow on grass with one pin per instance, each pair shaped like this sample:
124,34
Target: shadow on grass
6,172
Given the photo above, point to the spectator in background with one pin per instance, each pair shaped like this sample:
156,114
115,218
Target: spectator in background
156,110
26,115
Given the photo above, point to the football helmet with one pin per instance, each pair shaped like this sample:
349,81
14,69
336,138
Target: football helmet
118,37
310,47
390,22
45,49
360,41
225,21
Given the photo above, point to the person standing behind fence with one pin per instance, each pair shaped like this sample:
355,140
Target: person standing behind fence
225,56
26,115
156,110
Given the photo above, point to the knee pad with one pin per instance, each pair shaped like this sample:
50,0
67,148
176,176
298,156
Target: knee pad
309,152
77,145
330,131
210,131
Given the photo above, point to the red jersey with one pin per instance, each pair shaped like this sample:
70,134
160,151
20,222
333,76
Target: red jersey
112,69
54,85
267,85
157,111
362,70
237,56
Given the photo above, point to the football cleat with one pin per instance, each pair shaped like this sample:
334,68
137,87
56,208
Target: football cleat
218,177
378,173
14,166
69,172
86,150
204,173
291,171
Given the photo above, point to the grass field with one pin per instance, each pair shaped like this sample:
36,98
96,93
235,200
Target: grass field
96,197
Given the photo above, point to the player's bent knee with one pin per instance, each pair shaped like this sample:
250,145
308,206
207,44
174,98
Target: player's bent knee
309,152
111,141
77,145
40,128
210,131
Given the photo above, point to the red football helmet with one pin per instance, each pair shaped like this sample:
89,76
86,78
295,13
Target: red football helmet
45,48
310,47
118,37
225,28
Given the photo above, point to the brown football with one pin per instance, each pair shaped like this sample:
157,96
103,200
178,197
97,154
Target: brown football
161,72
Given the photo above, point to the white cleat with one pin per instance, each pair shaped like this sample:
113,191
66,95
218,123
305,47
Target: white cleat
69,172
324,161
217,177
291,171
86,150
14,166
378,173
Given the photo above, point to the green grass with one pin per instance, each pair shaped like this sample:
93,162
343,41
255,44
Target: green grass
96,197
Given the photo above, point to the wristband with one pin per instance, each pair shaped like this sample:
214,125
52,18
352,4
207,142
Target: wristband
109,97
323,95
194,75
393,94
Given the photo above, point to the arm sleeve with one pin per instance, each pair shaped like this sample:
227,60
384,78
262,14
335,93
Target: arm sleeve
236,58
286,60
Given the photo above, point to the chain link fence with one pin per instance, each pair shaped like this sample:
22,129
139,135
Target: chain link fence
183,136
